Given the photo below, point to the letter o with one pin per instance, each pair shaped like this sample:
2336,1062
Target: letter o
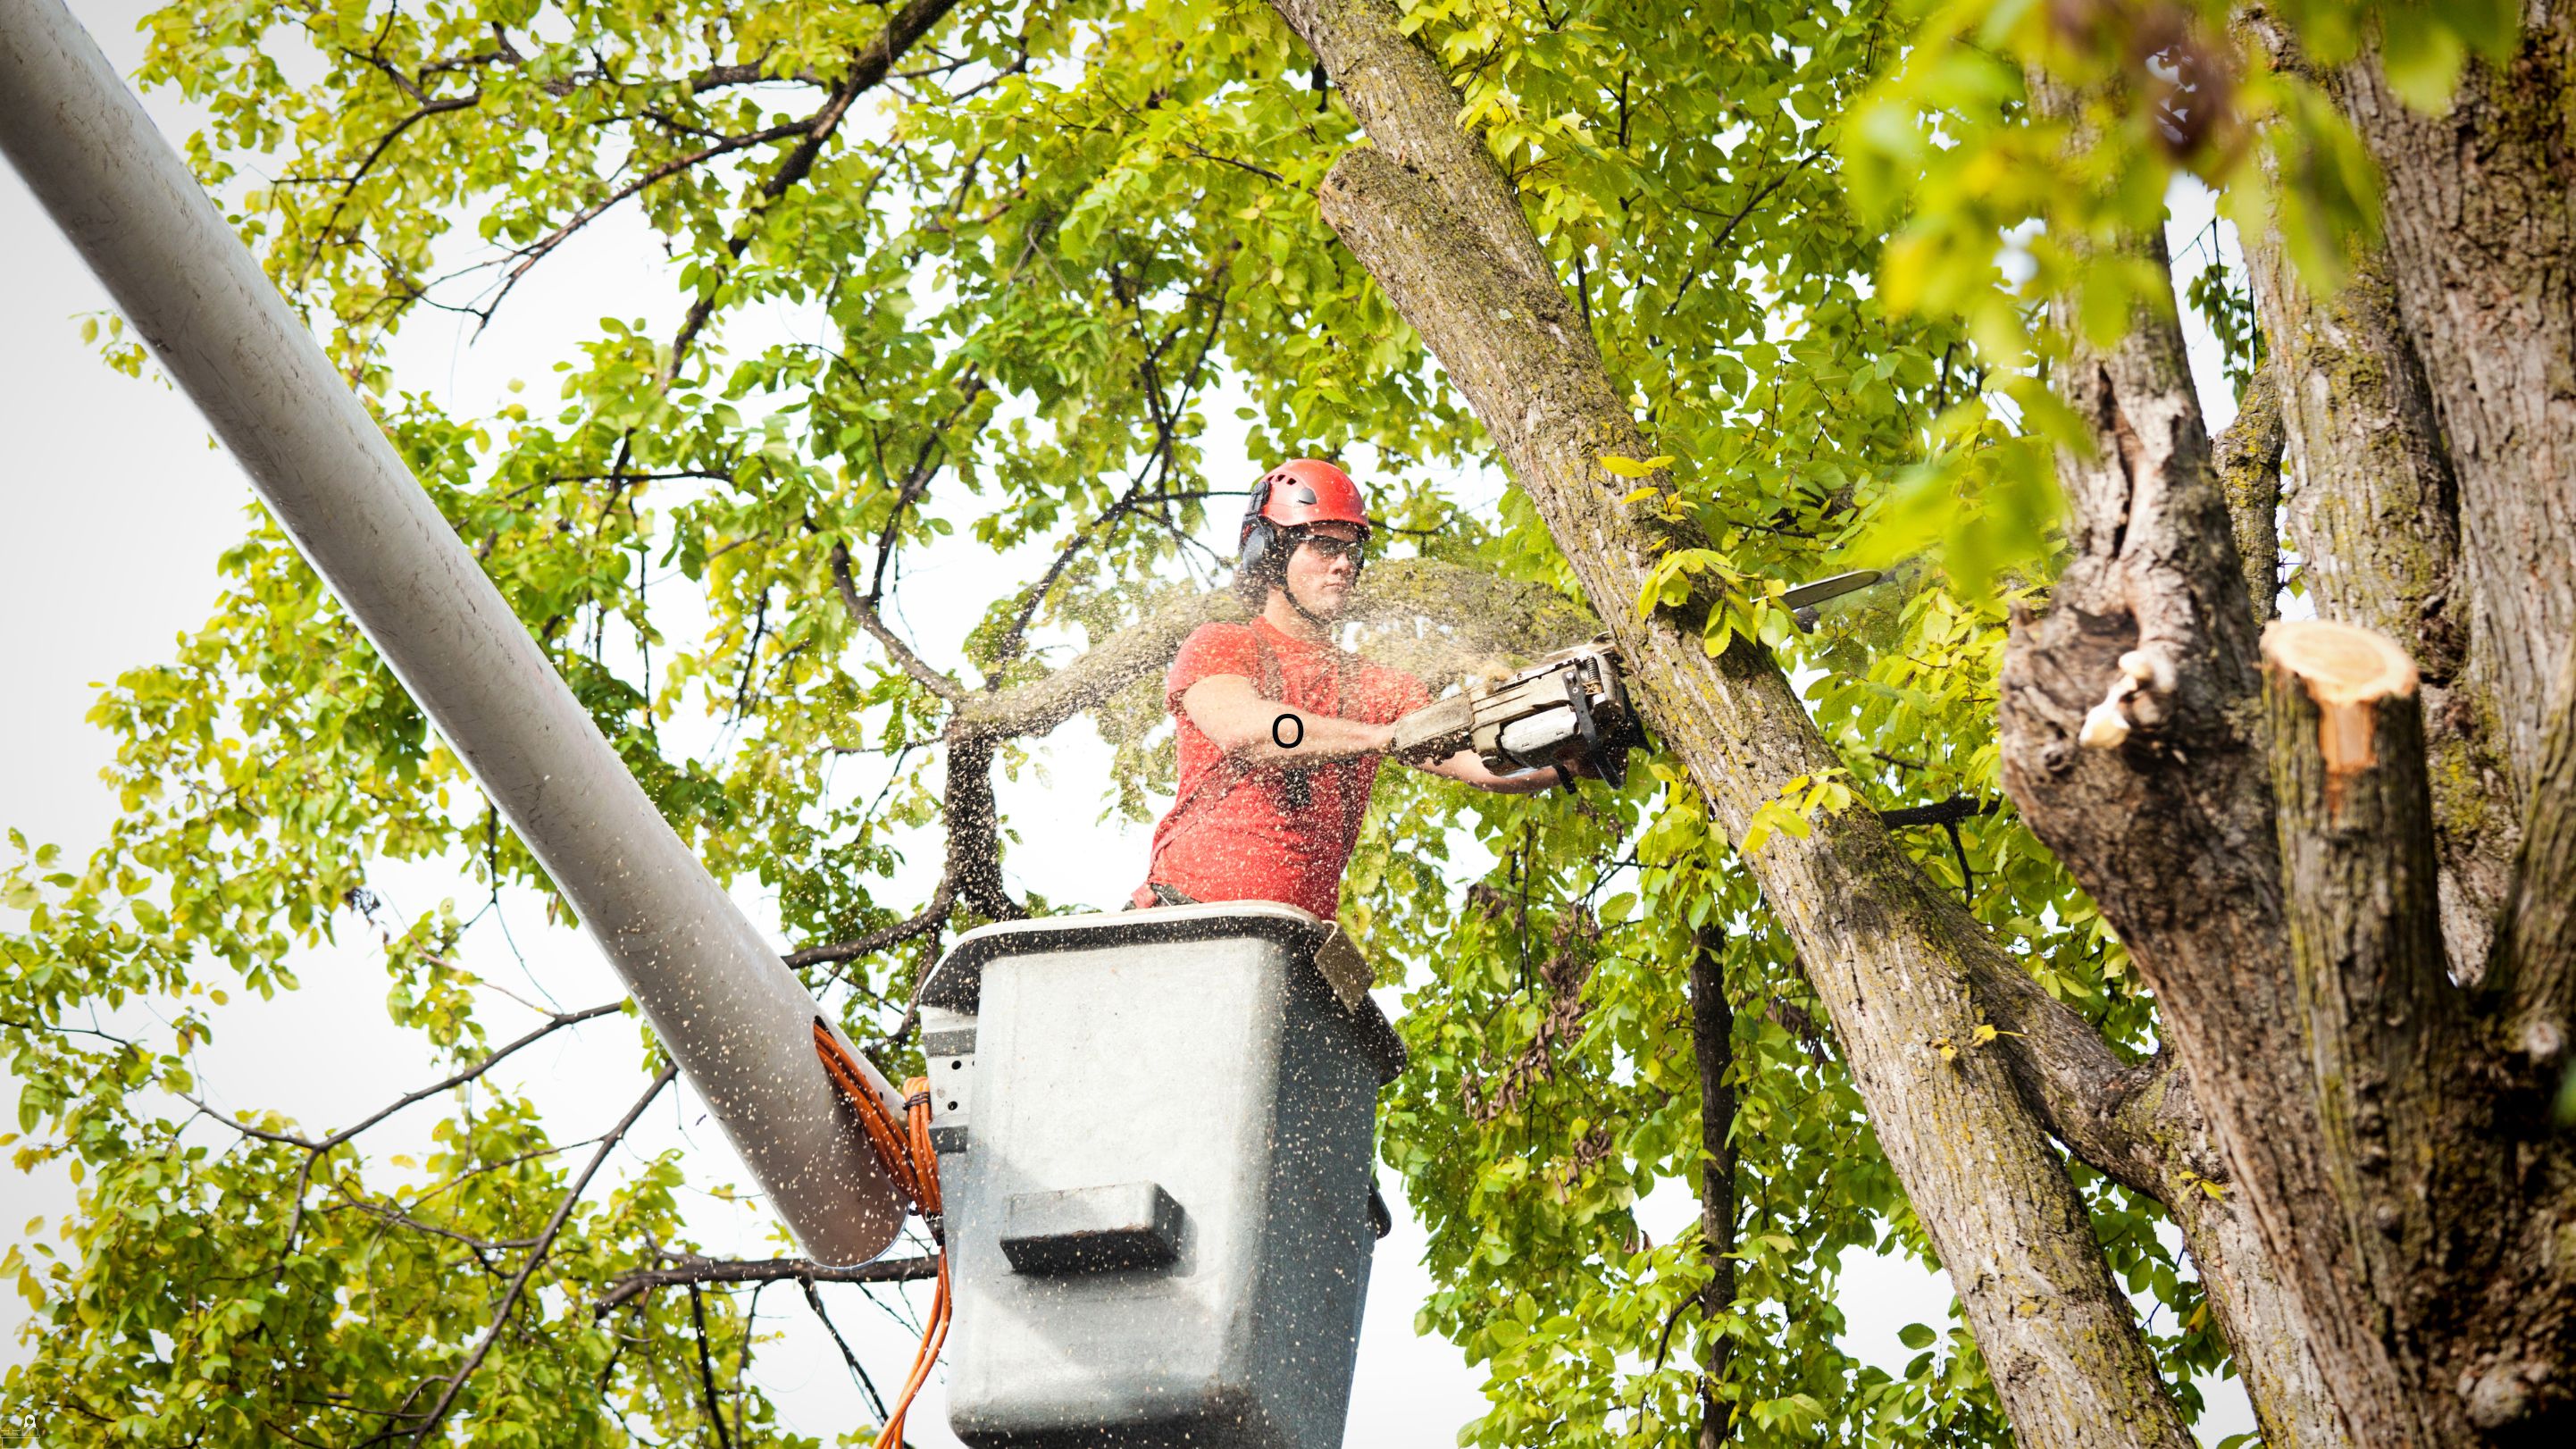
1293,741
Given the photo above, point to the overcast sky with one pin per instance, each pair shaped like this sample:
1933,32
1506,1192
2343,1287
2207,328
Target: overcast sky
115,510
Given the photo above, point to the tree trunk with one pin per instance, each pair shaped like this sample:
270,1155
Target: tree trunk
2272,853
2180,814
2374,513
2365,949
2481,234
1713,1040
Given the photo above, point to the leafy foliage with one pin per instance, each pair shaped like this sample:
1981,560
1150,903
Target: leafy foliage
1816,244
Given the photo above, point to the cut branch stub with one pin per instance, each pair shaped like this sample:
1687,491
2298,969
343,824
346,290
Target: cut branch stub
2399,1152
2347,672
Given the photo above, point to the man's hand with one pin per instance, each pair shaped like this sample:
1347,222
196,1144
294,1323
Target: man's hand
1264,732
1468,768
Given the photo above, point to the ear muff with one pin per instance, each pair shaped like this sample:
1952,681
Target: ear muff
1260,536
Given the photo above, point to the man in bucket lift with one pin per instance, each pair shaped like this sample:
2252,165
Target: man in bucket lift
1281,732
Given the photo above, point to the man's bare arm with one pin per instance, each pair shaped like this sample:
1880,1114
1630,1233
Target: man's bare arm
1467,768
1257,731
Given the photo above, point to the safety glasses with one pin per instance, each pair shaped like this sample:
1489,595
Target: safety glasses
1354,549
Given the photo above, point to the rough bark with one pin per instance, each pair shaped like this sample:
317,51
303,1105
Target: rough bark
2480,208
2139,1125
1713,1040
2443,459
2534,975
1432,218
2515,1374
2277,886
2249,468
2385,1030
2172,829
2373,510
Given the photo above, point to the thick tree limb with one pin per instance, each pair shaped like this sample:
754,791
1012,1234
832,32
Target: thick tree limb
2480,226
695,1270
1432,218
2169,811
2414,1171
973,864
2493,322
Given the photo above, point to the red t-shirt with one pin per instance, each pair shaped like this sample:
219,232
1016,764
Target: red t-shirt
1236,834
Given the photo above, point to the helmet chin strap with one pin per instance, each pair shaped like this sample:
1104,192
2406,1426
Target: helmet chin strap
1288,591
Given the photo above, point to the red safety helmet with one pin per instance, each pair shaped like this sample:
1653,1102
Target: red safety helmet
1296,495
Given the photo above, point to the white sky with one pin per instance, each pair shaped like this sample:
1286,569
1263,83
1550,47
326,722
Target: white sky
115,509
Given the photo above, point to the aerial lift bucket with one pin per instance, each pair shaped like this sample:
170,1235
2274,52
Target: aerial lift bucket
1155,1133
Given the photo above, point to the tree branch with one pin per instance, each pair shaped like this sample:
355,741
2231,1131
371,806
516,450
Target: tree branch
554,1024
2404,1168
1940,812
539,249
973,864
1713,1044
376,153
867,617
904,28
858,1375
2248,458
707,1368
930,919
691,1269
536,1255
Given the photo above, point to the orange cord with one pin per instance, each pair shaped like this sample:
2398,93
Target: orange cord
905,1151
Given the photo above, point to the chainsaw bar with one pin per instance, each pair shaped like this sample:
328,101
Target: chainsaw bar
1572,705
1809,595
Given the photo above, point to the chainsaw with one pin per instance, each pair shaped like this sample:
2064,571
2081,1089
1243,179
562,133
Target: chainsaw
1571,706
